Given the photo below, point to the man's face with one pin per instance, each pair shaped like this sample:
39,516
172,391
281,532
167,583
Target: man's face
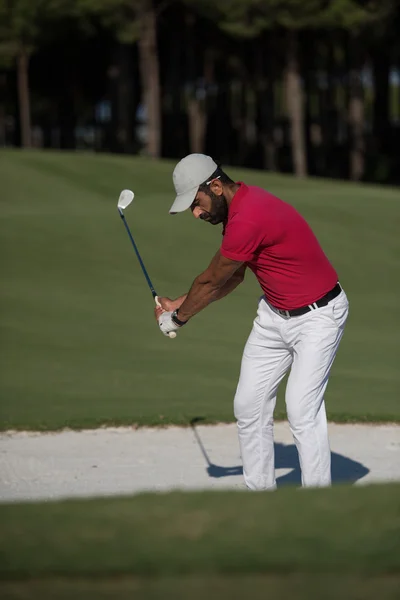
211,206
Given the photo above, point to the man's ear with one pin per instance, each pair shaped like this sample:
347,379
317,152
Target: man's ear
216,187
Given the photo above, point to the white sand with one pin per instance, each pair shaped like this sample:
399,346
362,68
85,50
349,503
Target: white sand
126,460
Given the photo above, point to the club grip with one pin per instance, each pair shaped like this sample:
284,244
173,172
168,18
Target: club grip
172,334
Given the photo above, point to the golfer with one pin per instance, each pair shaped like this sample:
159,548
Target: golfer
300,319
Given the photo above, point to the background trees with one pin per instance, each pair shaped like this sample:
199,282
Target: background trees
305,87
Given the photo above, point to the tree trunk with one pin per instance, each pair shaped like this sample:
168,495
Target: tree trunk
268,141
2,126
67,112
295,107
331,125
264,86
197,101
150,76
197,124
175,134
241,151
356,112
222,133
23,99
125,107
381,121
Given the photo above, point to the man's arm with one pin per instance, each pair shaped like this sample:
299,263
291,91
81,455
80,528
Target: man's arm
232,283
209,285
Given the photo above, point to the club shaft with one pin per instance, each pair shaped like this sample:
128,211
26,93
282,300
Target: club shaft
153,291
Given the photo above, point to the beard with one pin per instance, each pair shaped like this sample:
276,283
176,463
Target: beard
219,209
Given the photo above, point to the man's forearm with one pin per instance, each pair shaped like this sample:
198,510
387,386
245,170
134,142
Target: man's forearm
202,293
229,286
180,300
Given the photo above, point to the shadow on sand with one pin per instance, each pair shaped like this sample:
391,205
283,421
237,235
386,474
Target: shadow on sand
343,469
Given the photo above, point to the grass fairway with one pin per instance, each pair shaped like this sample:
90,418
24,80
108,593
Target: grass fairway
344,529
79,346
213,587
172,542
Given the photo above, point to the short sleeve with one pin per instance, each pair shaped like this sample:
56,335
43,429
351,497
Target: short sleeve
241,240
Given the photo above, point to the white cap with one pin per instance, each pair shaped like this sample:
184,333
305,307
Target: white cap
188,175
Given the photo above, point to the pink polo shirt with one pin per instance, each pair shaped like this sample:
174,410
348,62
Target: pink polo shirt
279,246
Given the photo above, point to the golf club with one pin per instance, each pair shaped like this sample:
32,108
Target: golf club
125,198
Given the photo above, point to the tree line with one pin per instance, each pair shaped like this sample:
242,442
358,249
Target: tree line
309,87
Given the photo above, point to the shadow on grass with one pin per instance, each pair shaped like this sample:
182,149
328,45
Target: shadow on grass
344,469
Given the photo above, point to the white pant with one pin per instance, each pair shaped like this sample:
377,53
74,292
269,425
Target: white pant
308,344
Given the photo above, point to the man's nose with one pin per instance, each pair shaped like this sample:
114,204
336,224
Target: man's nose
197,211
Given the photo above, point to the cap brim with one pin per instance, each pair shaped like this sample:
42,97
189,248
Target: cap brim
183,201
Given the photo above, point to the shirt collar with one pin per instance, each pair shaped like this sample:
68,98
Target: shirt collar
239,195
234,205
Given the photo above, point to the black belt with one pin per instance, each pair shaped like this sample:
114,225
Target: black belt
296,312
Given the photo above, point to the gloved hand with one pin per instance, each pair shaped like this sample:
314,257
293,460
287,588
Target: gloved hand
167,325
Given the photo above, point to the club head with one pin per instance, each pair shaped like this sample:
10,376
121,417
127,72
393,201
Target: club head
125,198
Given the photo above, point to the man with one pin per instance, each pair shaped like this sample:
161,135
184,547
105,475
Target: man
299,323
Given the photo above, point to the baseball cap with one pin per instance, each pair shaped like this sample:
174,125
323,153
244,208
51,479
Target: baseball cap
188,175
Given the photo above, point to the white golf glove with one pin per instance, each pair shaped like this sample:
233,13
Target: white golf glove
167,323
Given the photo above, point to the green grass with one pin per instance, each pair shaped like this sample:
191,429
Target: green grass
79,346
342,542
346,530
214,587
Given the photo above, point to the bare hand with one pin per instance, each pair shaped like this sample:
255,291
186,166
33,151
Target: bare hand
170,305
167,305
164,305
